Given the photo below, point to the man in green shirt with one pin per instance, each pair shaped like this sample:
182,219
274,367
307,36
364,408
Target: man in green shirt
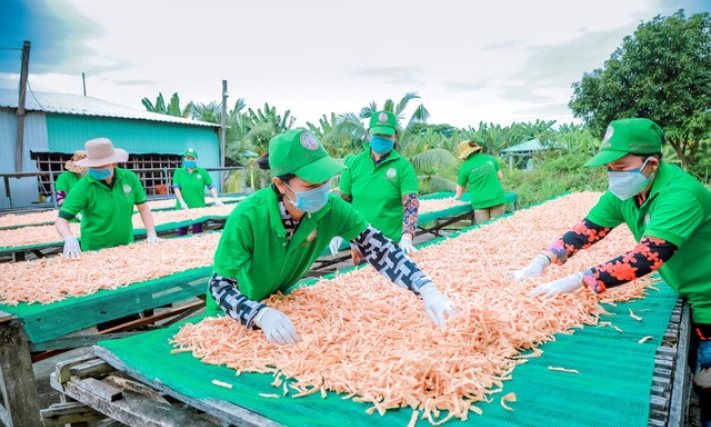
382,185
669,214
272,238
189,184
69,178
483,175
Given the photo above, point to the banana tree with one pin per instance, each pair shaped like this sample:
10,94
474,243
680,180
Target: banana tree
172,109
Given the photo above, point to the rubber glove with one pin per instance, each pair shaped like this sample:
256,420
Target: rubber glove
535,268
703,378
183,205
72,250
406,244
153,238
566,284
335,245
437,305
277,326
218,202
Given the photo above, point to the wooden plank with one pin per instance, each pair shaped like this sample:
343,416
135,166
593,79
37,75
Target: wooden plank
152,319
72,342
92,368
5,317
19,390
69,413
133,409
228,412
62,368
100,389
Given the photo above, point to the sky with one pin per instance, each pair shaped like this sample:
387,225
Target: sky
469,60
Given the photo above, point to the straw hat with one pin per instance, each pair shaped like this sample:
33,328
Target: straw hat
467,148
70,166
101,152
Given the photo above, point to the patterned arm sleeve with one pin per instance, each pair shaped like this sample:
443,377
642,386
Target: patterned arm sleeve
387,257
211,186
61,195
650,254
347,197
582,236
411,204
234,303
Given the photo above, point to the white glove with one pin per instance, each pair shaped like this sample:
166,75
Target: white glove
437,305
183,205
539,263
703,378
277,326
406,244
153,238
72,250
335,245
218,202
566,284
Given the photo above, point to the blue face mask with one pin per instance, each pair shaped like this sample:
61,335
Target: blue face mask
627,184
100,174
312,200
190,163
381,144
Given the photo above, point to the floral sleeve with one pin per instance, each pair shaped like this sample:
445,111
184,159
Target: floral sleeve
582,236
650,254
411,204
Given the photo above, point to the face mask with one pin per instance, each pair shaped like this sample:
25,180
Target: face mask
312,200
100,174
627,184
190,163
381,145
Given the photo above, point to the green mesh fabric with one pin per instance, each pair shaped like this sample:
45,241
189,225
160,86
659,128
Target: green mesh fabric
612,388
48,321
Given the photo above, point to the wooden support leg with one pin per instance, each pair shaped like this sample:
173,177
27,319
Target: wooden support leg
19,391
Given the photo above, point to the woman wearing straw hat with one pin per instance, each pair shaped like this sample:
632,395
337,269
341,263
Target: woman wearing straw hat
105,197
483,175
189,184
272,238
69,178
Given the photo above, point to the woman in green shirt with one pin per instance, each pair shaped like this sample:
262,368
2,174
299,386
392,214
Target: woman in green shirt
383,186
189,184
272,238
483,175
68,179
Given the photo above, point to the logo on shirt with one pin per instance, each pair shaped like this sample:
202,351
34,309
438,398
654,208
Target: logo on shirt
391,173
646,219
309,141
312,236
126,189
199,177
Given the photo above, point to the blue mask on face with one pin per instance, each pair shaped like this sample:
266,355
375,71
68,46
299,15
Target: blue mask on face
381,144
190,163
100,174
312,200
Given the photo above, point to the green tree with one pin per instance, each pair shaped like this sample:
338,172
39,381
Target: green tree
661,72
337,140
172,109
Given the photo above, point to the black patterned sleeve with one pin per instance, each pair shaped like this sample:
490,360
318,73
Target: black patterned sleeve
232,301
387,257
585,234
410,204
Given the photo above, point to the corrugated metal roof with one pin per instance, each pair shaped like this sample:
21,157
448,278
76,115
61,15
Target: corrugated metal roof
62,103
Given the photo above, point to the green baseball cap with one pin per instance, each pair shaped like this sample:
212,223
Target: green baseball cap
190,152
383,123
298,151
638,136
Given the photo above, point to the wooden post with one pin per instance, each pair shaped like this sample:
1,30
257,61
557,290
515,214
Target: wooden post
223,134
19,391
21,106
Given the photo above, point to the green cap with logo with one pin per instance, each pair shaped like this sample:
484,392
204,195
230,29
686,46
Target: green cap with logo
383,123
190,153
298,151
638,136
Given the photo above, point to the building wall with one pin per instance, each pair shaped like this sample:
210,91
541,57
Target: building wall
67,133
24,191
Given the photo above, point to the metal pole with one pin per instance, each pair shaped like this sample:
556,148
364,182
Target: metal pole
83,82
223,132
21,106
167,184
52,189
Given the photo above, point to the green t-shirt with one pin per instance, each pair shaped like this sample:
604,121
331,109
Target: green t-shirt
677,210
255,250
106,213
66,181
377,191
192,186
480,171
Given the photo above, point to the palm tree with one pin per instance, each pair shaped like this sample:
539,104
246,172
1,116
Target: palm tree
172,109
337,141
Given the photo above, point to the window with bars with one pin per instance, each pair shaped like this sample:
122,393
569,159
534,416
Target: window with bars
155,182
